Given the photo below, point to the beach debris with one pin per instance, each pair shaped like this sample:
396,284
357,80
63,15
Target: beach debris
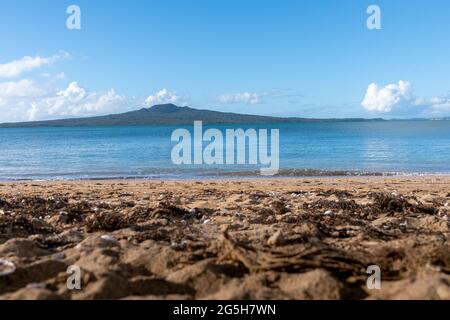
63,217
279,207
166,210
257,259
6,267
389,202
40,224
106,221
4,203
336,231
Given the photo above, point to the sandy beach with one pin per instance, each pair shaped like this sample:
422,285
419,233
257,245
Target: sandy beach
309,238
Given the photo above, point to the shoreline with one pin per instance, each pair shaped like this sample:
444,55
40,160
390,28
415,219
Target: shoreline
233,178
402,184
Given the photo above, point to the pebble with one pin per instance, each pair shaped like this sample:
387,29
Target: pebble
276,239
443,292
2,213
108,237
6,267
36,286
192,211
163,222
59,256
328,213
176,246
206,221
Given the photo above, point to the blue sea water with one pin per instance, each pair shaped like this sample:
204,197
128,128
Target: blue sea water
319,148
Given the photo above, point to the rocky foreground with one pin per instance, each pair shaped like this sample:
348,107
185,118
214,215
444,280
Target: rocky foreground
255,239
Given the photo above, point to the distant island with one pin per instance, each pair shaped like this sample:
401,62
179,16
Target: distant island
168,114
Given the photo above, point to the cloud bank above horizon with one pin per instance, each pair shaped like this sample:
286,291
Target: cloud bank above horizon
399,99
42,96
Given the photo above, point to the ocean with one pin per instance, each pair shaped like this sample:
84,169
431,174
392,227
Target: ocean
306,149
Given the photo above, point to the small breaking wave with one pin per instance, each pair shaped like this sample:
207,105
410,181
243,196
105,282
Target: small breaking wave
192,174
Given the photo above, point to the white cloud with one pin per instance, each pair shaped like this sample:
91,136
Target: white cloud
398,99
162,97
41,99
19,89
435,106
77,101
57,76
441,106
252,98
244,97
385,99
26,64
17,96
25,100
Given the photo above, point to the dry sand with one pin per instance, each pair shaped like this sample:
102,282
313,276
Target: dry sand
248,239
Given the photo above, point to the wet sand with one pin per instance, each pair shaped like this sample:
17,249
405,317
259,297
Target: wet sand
310,238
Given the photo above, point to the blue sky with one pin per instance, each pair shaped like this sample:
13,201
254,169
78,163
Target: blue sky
297,58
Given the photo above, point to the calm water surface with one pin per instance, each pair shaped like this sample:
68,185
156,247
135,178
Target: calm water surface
405,147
